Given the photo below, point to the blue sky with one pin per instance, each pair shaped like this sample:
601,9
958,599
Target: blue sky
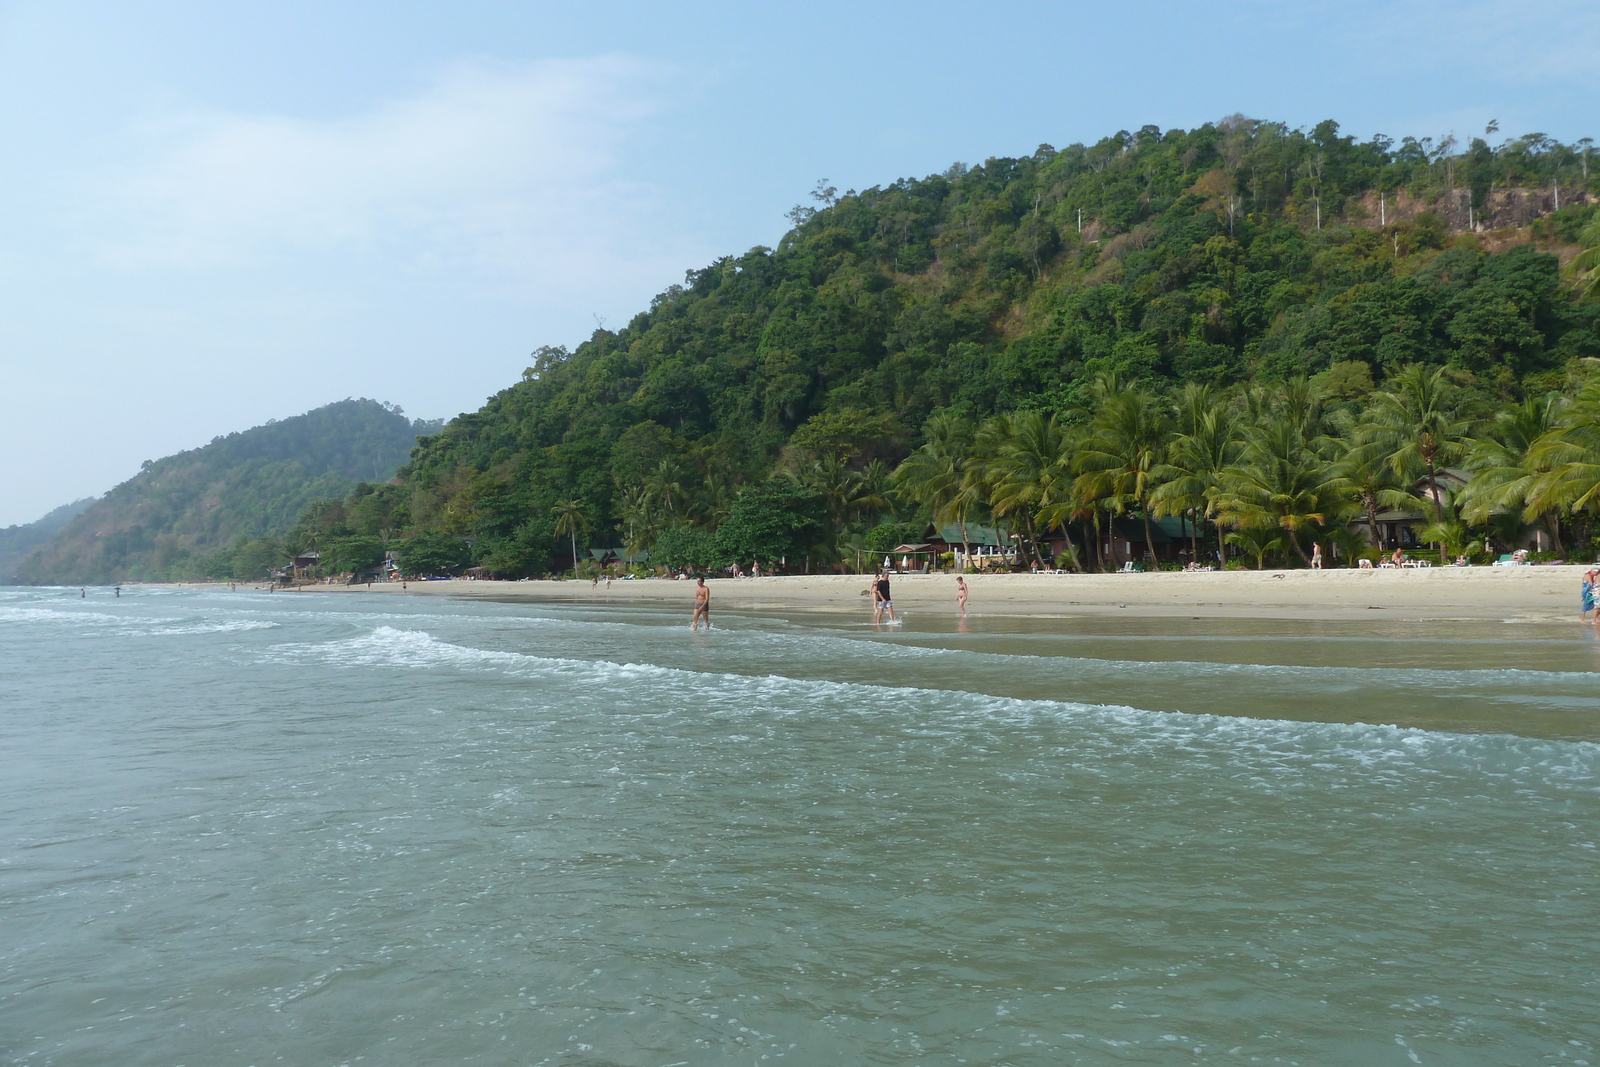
215,215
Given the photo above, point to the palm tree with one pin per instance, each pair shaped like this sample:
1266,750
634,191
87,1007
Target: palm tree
1415,429
1281,483
1208,442
1030,472
1585,266
936,473
571,516
639,521
1372,479
1567,459
1257,541
1121,458
1506,461
836,483
665,488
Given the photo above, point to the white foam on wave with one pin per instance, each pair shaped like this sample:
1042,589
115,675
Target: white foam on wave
130,625
1120,728
1352,677
14,614
232,626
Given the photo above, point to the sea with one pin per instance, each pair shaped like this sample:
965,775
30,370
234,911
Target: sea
241,828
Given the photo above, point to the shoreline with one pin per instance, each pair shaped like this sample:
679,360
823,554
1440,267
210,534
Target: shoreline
1535,594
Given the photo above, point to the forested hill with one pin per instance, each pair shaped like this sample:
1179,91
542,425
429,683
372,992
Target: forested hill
1236,252
17,541
182,516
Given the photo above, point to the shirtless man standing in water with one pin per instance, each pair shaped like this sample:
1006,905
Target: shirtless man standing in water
702,605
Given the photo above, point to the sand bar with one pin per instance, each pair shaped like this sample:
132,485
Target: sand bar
1509,594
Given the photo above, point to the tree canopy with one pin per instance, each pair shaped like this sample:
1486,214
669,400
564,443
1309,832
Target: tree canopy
1239,252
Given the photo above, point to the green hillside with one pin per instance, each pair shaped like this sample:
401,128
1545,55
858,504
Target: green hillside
17,541
1237,254
189,515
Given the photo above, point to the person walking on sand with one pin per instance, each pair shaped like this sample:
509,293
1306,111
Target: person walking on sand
961,594
881,601
1316,556
702,605
1586,597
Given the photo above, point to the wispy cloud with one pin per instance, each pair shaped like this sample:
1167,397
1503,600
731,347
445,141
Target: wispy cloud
514,170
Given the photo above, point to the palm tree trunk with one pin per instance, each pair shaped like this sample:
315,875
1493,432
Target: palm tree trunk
1294,542
1033,539
1072,549
1222,545
1149,541
1553,521
1433,488
574,537
1371,504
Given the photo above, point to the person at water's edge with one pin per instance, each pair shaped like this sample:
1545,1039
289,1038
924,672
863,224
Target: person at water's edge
882,602
702,605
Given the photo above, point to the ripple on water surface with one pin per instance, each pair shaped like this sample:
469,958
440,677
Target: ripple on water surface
475,836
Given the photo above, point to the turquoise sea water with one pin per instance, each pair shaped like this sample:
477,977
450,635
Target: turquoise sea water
247,829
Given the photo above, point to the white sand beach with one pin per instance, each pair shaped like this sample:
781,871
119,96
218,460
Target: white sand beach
1509,594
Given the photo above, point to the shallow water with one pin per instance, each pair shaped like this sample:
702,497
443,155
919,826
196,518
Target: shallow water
247,829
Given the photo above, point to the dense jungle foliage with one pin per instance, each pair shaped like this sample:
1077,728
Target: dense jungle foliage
1234,255
766,408
220,510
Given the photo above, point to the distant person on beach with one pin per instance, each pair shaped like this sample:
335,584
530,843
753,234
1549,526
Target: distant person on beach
755,569
961,594
1586,597
1316,556
82,593
881,601
1399,557
119,592
702,605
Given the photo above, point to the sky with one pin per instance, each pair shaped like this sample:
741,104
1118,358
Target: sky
214,215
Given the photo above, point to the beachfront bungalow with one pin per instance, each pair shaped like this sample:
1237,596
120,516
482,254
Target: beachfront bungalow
984,542
1170,540
1397,527
610,557
304,563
